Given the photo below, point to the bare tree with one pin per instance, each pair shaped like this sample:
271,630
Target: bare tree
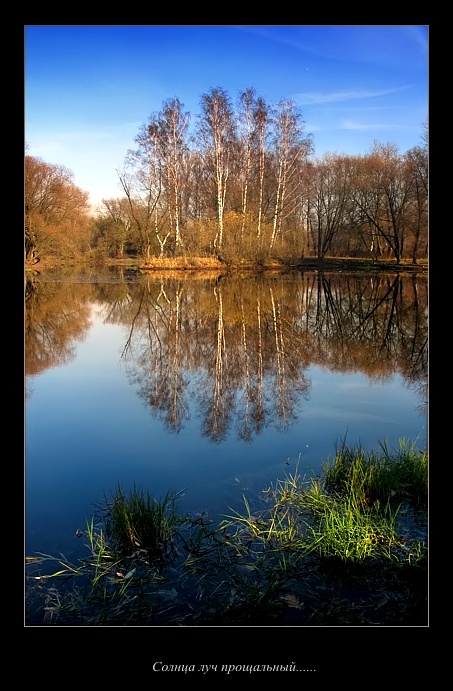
290,150
217,134
261,119
383,195
328,203
119,231
142,183
417,160
56,212
246,137
172,131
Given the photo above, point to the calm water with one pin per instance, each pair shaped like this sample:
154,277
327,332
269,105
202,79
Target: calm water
218,387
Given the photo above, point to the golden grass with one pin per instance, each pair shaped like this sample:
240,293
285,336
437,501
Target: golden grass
187,263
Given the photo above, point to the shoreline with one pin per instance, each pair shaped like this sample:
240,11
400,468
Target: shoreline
212,264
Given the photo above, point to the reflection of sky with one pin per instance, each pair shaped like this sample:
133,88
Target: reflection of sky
371,411
87,430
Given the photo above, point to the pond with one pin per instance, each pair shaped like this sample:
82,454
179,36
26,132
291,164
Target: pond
215,386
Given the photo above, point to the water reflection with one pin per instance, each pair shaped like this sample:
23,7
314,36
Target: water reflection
239,347
57,317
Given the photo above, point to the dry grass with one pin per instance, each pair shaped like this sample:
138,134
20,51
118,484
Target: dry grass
187,263
275,264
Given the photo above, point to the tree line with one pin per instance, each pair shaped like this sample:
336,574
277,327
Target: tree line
243,183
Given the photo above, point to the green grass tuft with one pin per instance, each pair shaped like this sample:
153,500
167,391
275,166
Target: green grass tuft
139,522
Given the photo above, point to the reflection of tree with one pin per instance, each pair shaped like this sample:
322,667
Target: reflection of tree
289,380
250,342
253,409
376,325
57,317
153,350
166,394
218,406
258,412
414,335
241,345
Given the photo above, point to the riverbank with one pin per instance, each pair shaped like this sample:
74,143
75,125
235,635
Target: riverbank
213,266
301,264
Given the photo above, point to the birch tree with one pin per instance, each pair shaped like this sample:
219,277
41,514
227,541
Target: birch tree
261,119
217,134
172,125
253,124
246,140
290,151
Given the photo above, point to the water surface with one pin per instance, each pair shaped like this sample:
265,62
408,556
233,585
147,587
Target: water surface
216,387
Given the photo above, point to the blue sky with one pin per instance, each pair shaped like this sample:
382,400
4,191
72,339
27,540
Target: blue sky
89,88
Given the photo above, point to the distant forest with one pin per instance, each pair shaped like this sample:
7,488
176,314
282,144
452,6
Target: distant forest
242,183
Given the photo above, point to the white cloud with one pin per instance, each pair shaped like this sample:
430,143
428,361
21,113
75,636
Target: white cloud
354,125
317,97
